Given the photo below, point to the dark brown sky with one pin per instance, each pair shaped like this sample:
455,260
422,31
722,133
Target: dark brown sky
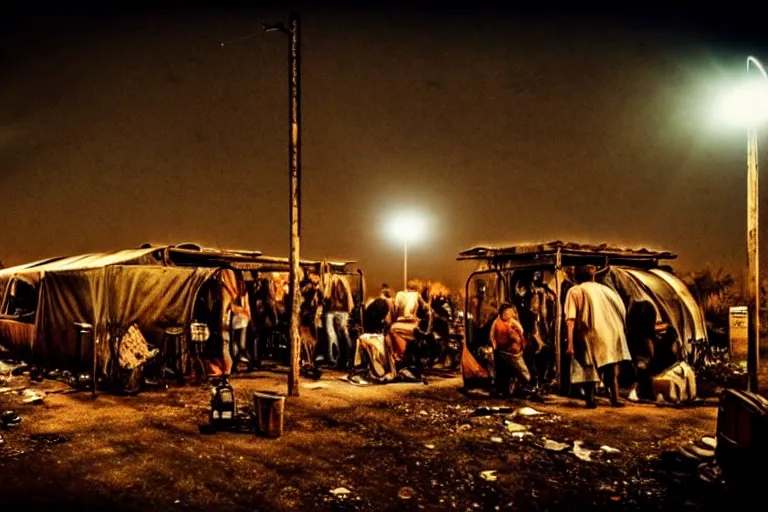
122,128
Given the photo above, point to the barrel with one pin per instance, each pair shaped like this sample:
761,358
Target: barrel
269,408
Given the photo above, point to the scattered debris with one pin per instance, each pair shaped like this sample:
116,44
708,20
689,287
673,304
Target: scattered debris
488,411
497,440
340,491
701,450
520,435
355,380
20,369
48,439
406,493
489,475
693,452
9,419
32,397
608,449
515,427
316,385
720,373
527,411
582,453
711,473
554,446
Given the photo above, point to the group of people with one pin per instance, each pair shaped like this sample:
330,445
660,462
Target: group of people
409,320
235,322
601,336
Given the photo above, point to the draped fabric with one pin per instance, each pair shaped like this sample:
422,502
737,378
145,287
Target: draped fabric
671,299
112,299
379,355
66,298
599,337
698,323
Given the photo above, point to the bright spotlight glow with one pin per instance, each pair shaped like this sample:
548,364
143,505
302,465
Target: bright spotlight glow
745,106
407,227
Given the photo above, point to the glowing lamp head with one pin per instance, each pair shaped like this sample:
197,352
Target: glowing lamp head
746,105
407,227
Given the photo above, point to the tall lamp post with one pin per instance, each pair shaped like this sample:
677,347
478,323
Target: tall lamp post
750,106
407,227
753,272
293,31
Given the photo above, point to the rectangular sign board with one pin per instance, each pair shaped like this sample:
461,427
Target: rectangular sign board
738,333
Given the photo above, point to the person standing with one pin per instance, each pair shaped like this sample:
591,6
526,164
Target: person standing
508,342
339,303
595,320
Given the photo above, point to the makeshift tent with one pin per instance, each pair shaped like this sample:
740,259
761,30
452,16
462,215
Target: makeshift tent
670,297
111,292
112,299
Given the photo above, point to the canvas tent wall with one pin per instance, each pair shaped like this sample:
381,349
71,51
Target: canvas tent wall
107,290
669,295
112,299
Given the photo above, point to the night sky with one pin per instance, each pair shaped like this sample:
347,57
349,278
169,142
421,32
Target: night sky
119,128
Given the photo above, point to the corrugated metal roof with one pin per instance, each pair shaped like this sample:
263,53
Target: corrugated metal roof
523,250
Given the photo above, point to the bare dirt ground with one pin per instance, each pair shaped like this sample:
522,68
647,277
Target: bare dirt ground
394,447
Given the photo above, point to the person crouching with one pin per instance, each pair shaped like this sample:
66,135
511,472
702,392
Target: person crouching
508,344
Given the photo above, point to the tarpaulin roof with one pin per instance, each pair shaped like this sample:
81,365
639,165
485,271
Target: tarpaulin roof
83,261
240,259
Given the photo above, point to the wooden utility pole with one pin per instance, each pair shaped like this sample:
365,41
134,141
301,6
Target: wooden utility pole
753,259
293,31
753,253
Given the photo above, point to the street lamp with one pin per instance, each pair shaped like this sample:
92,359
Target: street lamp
407,227
749,107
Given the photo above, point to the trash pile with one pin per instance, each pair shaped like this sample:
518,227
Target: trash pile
694,458
720,373
516,430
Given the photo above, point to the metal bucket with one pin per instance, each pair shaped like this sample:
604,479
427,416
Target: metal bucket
269,408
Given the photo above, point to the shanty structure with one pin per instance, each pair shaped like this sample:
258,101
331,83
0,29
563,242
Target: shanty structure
636,274
45,305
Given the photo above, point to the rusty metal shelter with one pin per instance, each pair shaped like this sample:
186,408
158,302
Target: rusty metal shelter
636,274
